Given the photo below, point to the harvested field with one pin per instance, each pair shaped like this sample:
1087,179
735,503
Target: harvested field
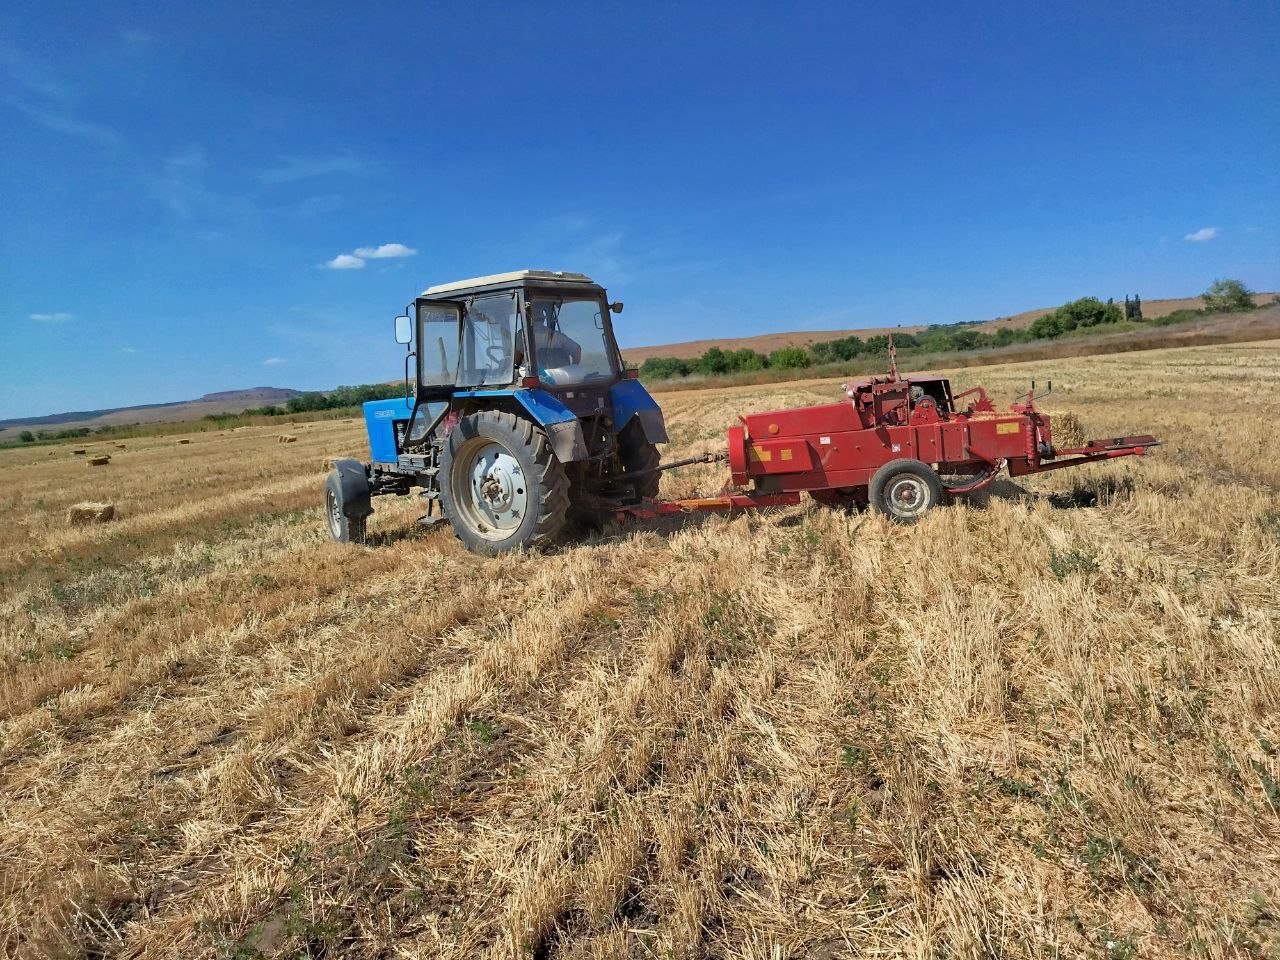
1044,724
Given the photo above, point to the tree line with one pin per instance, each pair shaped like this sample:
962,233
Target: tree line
1086,312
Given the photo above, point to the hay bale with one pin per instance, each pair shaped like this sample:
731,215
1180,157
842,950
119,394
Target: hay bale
101,460
184,440
79,514
119,446
79,453
1068,431
287,438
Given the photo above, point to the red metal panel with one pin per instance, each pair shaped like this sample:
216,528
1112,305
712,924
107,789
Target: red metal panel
955,442
738,455
995,438
791,455
806,420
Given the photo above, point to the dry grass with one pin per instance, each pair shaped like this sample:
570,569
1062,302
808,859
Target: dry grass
1042,725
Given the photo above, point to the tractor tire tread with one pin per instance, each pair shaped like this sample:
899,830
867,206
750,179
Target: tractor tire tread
637,454
554,506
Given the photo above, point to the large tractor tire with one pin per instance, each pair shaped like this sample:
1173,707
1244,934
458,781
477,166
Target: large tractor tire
637,454
501,486
905,490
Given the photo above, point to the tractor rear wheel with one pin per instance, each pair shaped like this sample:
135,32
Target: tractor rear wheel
905,490
501,485
638,454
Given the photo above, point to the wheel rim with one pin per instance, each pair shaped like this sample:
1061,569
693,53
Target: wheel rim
490,489
335,515
907,496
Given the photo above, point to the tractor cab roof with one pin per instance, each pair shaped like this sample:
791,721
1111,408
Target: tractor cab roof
557,279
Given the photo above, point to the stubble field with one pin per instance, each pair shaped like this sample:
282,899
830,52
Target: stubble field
1046,724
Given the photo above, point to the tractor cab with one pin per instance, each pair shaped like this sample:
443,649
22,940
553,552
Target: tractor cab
527,330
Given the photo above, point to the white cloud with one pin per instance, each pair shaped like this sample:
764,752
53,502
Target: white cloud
356,258
1201,235
293,169
272,361
386,251
128,350
52,317
136,39
345,261
40,93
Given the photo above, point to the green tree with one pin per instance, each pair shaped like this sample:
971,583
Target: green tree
1046,327
747,360
1137,307
26,436
664,368
876,345
846,348
1228,295
905,341
713,361
789,358
1007,335
822,351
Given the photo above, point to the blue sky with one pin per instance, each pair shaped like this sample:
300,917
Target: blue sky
174,182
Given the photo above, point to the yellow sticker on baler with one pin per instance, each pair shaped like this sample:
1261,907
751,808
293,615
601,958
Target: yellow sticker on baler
764,456
1008,427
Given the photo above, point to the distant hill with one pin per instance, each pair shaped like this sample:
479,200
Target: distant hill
768,342
224,401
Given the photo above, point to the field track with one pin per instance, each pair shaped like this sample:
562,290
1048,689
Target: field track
1044,724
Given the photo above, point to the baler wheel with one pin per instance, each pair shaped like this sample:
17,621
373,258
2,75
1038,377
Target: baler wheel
501,484
905,490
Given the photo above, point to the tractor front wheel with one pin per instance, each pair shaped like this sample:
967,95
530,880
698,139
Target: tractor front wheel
905,490
501,485
342,528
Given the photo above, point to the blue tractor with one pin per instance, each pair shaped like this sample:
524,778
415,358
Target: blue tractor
522,419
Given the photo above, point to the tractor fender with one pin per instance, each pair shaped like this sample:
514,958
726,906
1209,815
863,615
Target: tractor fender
353,483
630,399
560,423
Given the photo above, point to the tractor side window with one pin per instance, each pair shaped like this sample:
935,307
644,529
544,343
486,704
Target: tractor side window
438,345
488,339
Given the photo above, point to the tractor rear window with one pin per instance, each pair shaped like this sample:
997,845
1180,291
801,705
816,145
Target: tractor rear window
569,342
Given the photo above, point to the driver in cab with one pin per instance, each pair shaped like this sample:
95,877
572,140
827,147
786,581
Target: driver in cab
552,347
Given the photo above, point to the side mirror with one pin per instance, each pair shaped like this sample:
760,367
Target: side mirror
404,330
616,306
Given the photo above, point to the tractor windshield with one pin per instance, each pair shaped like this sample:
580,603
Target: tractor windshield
569,342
